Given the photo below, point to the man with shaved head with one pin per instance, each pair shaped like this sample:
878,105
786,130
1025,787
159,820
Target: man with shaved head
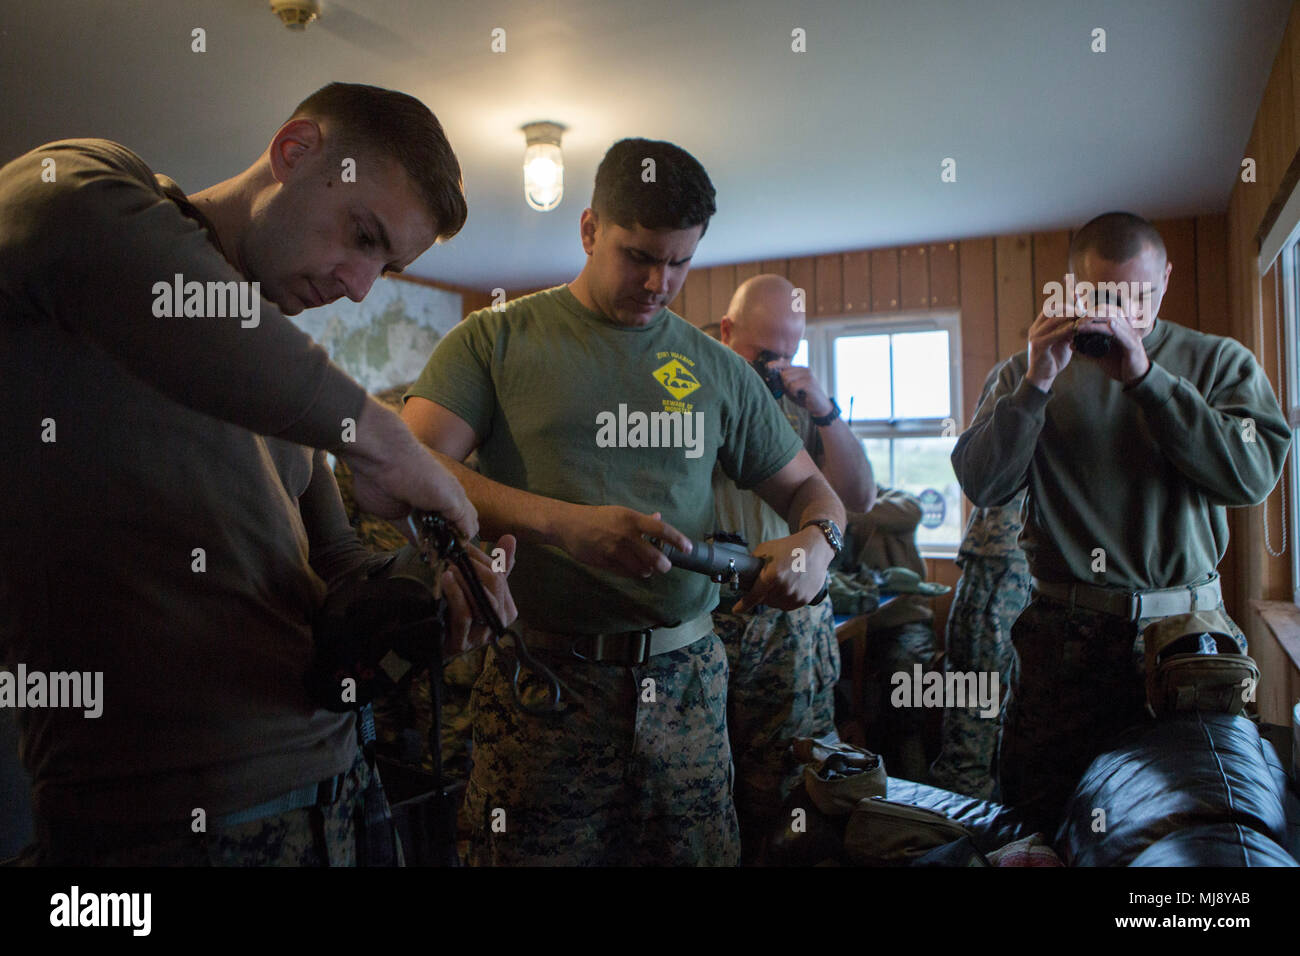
783,664
1131,447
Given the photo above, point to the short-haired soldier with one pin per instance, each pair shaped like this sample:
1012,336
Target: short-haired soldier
169,519
598,416
1130,459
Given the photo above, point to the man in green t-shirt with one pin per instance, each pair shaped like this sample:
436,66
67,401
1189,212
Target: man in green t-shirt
1130,459
598,416
783,664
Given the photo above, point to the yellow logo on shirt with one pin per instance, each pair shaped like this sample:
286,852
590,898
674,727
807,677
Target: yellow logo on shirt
677,379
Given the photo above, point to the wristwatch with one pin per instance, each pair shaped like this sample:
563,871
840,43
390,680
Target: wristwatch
831,530
821,421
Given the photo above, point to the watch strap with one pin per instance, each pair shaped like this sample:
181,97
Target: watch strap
821,421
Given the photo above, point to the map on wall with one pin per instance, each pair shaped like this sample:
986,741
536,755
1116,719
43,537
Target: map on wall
386,339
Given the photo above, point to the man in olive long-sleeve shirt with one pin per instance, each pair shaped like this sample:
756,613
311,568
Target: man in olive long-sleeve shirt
1130,460
168,526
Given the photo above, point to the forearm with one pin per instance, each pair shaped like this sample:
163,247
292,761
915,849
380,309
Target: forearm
814,500
846,467
991,458
505,510
334,549
1235,451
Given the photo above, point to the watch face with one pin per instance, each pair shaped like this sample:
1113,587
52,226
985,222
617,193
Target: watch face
837,539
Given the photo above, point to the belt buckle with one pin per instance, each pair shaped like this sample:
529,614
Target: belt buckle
1135,605
642,646
634,647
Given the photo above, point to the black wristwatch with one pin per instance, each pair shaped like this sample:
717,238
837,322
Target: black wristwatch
832,532
821,421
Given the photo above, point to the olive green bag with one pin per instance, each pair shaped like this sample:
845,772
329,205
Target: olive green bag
1193,662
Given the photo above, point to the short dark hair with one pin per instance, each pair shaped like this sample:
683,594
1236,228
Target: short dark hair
400,127
1116,237
678,196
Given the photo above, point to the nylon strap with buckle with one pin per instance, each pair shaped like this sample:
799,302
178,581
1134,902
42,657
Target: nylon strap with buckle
630,648
1135,605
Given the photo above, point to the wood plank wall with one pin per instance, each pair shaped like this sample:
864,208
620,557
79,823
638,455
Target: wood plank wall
1253,312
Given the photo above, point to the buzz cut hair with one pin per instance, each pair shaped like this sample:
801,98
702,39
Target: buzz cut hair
378,122
1116,237
672,192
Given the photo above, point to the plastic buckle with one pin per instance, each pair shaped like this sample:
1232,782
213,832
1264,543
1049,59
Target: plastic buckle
642,646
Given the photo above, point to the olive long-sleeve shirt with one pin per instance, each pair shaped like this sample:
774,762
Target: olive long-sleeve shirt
1127,487
163,521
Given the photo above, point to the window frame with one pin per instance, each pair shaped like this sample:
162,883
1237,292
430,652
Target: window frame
821,334
1289,262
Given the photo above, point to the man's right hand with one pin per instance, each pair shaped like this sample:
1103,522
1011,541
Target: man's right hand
393,473
1049,349
613,538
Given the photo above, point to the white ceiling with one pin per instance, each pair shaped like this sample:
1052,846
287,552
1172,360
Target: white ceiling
836,148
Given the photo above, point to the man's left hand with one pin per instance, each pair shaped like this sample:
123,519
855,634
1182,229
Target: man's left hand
780,585
801,386
1127,360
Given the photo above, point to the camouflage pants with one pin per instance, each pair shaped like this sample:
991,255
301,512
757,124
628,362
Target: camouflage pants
1077,682
310,836
639,774
991,593
783,665
402,714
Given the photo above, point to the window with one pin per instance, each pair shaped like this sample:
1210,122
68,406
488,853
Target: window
897,381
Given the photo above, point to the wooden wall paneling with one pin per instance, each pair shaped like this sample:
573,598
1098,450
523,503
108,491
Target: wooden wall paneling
1016,307
1293,52
913,278
472,300
722,283
746,271
780,267
1255,196
1051,260
803,274
945,279
1277,111
695,297
884,280
829,282
857,281
1212,274
1180,298
979,345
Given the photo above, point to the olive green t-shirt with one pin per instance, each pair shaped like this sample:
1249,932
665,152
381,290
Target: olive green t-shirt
567,405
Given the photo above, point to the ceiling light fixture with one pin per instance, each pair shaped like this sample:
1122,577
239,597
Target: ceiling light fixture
296,14
543,165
